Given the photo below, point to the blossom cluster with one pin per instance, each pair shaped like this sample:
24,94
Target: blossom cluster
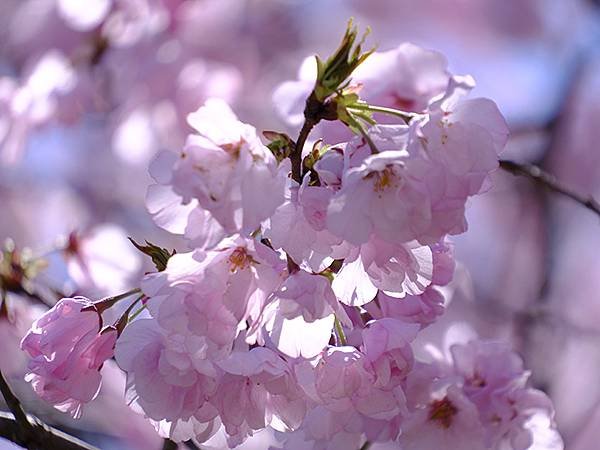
300,302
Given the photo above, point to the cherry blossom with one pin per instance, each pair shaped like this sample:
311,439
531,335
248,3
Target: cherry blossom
224,167
296,296
303,303
169,379
67,349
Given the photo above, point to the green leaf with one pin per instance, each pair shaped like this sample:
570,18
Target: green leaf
160,256
281,145
333,73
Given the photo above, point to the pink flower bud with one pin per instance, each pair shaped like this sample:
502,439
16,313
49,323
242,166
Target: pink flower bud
68,349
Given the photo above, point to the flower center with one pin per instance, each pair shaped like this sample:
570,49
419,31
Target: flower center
383,179
234,148
442,411
239,259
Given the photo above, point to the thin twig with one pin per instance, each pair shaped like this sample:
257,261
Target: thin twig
296,155
366,446
168,444
366,137
47,438
550,182
312,116
292,266
108,302
190,444
340,333
405,116
137,312
14,405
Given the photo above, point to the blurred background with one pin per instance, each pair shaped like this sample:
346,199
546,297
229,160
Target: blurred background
91,90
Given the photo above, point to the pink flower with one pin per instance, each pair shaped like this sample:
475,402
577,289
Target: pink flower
406,78
257,387
465,136
169,212
447,419
495,381
347,404
379,195
298,227
67,350
417,186
423,309
386,345
169,377
299,316
228,170
397,270
211,294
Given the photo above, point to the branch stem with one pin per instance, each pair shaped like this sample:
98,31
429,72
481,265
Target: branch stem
14,405
405,116
340,333
296,155
550,182
29,432
366,137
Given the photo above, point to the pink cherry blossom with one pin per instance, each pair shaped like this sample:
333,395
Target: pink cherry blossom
257,387
407,77
347,403
446,420
228,170
396,270
211,294
67,350
386,345
495,381
169,379
417,186
170,213
299,316
386,200
465,136
298,227
423,309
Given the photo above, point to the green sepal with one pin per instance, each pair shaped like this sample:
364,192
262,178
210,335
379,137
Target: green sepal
333,74
160,256
280,144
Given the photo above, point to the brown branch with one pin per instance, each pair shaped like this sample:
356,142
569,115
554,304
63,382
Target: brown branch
313,113
296,155
47,438
168,444
14,405
28,431
550,182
